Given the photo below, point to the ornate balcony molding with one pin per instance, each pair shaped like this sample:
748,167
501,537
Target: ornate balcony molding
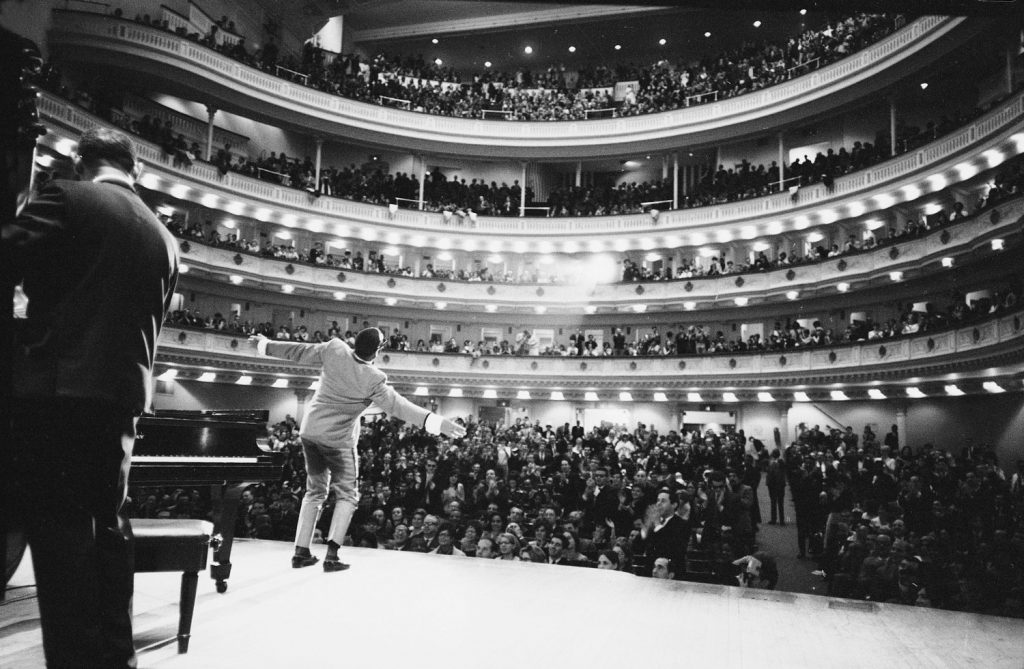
968,351
914,257
201,73
901,179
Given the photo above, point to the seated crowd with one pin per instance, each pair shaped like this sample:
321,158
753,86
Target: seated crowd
686,340
375,184
1008,183
557,93
921,527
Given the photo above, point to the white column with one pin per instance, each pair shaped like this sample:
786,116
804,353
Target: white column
675,180
686,180
317,161
522,190
664,166
211,111
718,158
301,399
1010,54
579,173
892,125
782,164
423,180
901,422
784,425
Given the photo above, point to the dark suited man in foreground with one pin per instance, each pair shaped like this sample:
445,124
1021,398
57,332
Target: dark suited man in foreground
349,383
665,534
99,271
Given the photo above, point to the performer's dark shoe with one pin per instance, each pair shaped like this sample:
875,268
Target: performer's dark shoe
299,561
335,565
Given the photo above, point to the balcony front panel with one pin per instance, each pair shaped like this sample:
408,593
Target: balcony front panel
852,195
913,257
200,73
992,343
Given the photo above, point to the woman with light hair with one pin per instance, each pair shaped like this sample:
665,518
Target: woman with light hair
508,547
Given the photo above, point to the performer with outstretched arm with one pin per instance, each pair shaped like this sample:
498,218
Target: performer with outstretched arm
349,383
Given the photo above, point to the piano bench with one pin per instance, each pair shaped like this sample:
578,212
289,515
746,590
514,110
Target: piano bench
174,545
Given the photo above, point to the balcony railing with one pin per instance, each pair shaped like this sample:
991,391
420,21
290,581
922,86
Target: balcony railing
219,77
911,255
998,339
767,215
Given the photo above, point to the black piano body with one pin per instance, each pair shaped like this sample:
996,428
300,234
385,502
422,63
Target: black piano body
214,448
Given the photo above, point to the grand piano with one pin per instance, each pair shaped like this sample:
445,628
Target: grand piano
225,450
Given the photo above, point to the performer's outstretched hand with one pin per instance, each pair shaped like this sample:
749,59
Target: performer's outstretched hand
452,429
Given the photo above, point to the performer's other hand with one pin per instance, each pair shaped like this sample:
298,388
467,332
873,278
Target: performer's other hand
254,340
452,429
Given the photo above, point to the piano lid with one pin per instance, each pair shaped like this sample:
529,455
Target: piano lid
201,433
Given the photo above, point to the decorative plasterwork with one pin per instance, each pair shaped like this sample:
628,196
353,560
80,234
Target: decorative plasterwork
979,146
966,352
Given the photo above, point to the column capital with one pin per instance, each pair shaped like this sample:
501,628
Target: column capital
211,111
319,139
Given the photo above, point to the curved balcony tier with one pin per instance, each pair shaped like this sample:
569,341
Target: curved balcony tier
988,351
978,146
182,67
969,241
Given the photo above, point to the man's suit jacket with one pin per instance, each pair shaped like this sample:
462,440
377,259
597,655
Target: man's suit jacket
670,542
347,387
604,504
99,271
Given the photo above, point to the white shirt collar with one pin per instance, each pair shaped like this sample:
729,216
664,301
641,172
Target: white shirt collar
124,180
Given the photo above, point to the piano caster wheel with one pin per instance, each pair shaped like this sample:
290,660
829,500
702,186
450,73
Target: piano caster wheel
222,587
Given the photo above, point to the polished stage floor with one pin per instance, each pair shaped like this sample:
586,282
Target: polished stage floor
400,610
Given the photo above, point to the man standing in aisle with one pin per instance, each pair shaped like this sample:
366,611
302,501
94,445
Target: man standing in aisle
99,271
349,383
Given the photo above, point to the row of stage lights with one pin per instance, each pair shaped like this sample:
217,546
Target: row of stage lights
988,159
626,395
947,262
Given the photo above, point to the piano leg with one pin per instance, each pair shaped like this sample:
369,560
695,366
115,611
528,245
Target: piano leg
225,511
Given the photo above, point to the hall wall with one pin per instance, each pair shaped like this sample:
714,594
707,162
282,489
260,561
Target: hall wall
947,423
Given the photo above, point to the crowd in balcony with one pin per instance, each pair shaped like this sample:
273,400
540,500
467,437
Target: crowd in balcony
783,335
557,93
374,184
919,526
1007,183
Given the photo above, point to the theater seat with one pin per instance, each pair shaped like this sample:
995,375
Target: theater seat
174,545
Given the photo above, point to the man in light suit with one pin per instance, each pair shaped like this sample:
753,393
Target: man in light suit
99,271
349,383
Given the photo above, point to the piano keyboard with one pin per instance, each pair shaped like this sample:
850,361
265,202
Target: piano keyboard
191,459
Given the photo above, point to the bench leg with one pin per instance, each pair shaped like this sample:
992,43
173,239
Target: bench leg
186,605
